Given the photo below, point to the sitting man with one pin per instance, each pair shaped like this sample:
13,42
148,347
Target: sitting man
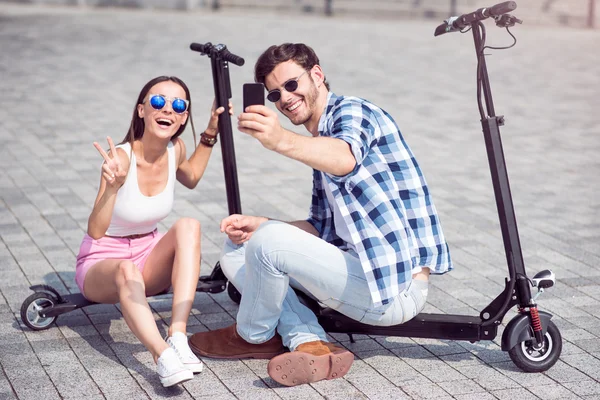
366,250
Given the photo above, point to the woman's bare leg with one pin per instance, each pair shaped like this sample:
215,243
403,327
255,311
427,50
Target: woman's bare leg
175,260
120,281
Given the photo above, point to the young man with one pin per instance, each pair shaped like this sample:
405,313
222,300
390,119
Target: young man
367,248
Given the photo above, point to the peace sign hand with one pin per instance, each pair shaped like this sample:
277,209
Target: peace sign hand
112,171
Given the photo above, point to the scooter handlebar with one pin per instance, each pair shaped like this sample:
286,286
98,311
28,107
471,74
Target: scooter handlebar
502,8
454,24
225,54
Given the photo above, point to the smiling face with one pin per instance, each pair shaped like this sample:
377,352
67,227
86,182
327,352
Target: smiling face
164,122
304,105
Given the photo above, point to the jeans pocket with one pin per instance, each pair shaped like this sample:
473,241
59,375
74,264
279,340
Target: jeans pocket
346,308
379,316
419,294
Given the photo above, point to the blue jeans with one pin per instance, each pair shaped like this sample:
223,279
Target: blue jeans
279,257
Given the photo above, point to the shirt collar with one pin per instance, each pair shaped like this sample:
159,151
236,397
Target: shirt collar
331,100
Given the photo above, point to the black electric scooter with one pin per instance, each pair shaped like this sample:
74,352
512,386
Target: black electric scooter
533,341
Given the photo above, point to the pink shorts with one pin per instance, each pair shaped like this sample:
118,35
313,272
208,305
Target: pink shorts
92,251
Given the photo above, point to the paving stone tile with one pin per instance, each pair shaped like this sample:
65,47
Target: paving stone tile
394,369
265,394
518,393
460,387
244,382
337,389
377,387
487,377
425,391
29,393
564,373
475,396
585,363
360,346
139,395
584,387
206,384
570,348
216,320
116,384
441,347
591,345
391,342
297,392
552,392
461,359
412,352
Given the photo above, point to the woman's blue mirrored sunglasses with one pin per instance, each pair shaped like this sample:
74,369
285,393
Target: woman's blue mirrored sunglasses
158,101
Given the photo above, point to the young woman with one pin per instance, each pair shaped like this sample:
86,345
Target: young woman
123,258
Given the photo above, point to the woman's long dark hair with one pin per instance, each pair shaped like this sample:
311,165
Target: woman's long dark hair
137,126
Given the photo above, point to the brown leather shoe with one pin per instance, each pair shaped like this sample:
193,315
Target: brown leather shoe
310,362
226,343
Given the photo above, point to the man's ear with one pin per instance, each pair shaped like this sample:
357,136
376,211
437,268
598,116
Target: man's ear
140,110
317,75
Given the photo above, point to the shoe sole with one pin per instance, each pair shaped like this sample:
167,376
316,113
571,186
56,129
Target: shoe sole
257,356
195,368
296,367
179,377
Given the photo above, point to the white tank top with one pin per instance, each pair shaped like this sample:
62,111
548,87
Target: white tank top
135,213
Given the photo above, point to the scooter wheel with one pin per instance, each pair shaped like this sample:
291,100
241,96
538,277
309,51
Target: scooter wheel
531,359
233,293
32,306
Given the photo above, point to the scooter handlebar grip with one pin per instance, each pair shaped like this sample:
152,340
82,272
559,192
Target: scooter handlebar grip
198,47
232,58
441,29
502,8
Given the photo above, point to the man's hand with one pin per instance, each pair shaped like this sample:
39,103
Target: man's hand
263,124
239,228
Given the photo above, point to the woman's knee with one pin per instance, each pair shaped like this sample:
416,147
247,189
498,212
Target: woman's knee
188,229
129,275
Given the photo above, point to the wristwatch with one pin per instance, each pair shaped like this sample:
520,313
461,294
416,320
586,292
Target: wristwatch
208,140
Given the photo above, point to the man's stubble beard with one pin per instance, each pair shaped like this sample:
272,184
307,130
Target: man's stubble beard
310,100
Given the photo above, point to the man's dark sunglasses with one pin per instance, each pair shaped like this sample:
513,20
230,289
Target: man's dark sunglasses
290,86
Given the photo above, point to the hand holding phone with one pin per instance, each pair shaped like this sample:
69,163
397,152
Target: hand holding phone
254,93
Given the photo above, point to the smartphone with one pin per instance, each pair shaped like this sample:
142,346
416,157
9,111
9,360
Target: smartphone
254,93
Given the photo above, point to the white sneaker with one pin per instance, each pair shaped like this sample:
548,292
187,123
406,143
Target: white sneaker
179,343
171,370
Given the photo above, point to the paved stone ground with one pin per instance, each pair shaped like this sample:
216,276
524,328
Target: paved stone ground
70,76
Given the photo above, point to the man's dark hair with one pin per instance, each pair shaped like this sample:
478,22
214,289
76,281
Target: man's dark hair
300,53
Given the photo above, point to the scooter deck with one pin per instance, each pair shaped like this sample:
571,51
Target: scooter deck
434,326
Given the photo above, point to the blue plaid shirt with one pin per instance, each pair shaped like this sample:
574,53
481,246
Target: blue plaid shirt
384,200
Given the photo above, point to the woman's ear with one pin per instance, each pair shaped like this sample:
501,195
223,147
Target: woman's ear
140,110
